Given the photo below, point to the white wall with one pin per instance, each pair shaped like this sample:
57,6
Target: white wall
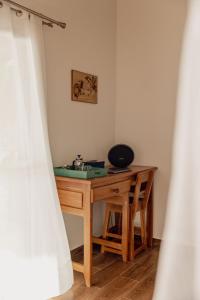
88,44
149,36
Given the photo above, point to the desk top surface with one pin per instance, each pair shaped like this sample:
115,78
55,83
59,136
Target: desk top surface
110,178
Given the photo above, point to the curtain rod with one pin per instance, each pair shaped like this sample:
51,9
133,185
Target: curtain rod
33,12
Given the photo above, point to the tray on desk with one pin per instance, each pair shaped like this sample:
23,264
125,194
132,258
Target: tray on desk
92,173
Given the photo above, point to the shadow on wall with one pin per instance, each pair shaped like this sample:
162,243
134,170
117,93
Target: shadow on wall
149,43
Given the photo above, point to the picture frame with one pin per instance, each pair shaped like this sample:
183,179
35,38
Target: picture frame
84,87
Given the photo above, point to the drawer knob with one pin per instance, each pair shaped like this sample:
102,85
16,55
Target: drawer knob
116,191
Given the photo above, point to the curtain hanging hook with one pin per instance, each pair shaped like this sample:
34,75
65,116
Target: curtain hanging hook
29,16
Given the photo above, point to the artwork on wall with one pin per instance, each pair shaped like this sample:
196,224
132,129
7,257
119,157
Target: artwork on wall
84,87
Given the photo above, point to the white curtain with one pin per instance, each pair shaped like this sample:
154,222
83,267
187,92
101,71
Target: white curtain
179,268
35,262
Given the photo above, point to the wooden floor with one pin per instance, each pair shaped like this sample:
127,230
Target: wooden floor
114,279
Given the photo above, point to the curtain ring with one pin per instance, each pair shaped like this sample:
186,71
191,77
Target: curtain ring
18,12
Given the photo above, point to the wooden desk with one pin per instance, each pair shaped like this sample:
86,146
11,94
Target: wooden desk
77,197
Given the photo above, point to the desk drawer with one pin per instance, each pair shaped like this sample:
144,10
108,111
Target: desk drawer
70,198
112,190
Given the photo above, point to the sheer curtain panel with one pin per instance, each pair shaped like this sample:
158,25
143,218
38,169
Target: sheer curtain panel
179,268
35,262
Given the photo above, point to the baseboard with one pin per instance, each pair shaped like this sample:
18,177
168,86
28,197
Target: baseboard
156,242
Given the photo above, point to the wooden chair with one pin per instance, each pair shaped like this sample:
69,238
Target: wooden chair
138,204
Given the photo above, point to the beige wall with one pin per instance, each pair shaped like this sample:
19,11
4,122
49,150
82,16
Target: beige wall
148,48
88,44
149,35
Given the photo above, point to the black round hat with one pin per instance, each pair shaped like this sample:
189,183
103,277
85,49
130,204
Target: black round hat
121,156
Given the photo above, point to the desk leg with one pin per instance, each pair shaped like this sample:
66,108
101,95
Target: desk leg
125,227
150,220
88,210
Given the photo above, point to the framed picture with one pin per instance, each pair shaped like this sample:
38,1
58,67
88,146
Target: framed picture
84,87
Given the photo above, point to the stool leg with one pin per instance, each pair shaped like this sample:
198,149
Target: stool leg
106,224
131,237
125,227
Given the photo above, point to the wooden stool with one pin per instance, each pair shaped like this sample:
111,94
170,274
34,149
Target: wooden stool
141,194
120,246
